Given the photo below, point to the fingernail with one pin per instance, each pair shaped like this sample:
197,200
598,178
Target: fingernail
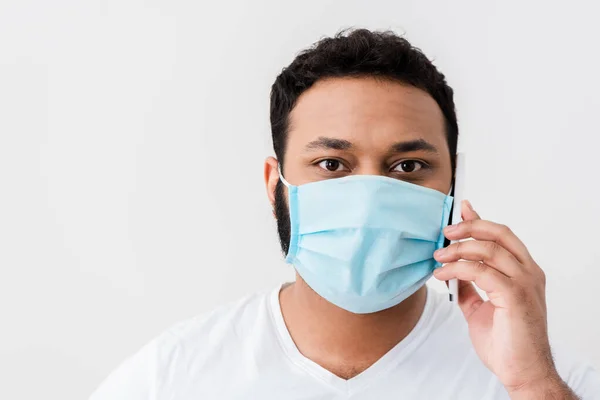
469,205
440,252
451,228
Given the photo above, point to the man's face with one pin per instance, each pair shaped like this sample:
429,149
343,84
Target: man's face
361,126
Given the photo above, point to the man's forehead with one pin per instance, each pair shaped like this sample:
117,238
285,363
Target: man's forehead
356,109
333,95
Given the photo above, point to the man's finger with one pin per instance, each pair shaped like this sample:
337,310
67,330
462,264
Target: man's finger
490,253
467,212
487,278
489,231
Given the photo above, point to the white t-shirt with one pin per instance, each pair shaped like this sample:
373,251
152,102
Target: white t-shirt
244,351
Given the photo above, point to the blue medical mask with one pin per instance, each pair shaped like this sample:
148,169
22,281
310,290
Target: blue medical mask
365,242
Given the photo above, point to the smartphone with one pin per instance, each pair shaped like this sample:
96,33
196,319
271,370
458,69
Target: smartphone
457,191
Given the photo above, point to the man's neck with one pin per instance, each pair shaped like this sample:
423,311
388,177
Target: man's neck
342,342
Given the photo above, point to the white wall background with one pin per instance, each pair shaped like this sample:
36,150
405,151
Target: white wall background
132,137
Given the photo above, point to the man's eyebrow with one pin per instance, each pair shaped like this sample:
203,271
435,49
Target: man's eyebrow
329,143
414,145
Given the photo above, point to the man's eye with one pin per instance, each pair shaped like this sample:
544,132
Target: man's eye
331,165
408,166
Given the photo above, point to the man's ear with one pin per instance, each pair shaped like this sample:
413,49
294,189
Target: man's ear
271,179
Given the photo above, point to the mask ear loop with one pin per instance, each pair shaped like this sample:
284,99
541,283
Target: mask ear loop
286,183
293,210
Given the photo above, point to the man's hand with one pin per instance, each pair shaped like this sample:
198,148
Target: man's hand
509,331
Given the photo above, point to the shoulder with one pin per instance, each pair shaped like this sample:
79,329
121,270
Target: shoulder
185,348
231,320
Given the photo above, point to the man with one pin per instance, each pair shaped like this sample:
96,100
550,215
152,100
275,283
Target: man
365,132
